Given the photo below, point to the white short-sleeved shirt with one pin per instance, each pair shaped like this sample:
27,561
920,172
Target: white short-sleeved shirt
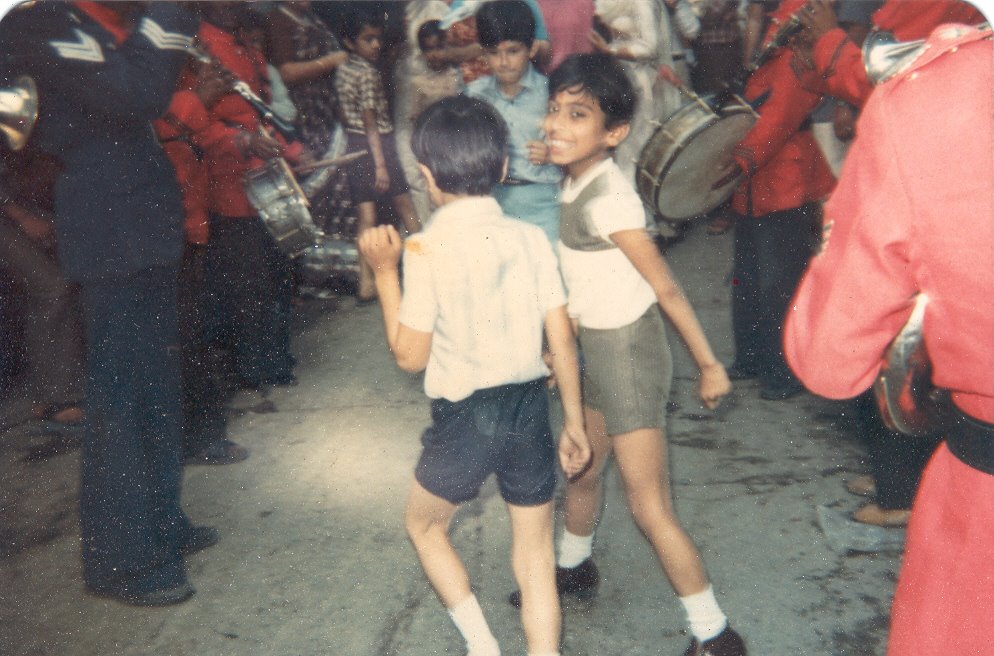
482,284
605,289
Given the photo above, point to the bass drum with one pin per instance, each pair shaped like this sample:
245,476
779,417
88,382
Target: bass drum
275,194
679,163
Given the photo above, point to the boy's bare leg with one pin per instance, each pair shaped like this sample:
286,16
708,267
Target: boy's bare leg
366,219
642,462
427,521
533,562
584,496
404,207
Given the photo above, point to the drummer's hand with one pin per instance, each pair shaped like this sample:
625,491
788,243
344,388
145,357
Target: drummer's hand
844,122
714,384
818,17
728,170
538,152
212,82
382,181
260,145
381,247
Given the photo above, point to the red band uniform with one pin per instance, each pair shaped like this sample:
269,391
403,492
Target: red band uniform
839,61
913,214
248,282
777,209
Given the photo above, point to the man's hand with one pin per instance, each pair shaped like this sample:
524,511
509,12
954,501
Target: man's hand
381,247
818,17
714,385
212,83
260,145
575,455
844,122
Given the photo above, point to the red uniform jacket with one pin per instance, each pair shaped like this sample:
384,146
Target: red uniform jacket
232,115
840,61
178,132
913,213
784,165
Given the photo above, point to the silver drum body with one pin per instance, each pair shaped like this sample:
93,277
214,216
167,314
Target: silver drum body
275,194
681,160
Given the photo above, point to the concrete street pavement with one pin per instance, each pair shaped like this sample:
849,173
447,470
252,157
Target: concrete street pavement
313,558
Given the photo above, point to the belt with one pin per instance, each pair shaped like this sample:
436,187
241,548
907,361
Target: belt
971,440
514,182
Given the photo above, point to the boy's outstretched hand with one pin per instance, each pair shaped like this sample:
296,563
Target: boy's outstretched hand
575,455
381,246
714,385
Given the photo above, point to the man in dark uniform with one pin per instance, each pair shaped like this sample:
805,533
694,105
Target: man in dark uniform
104,71
912,216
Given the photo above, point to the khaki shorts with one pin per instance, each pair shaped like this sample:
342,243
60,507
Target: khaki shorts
627,373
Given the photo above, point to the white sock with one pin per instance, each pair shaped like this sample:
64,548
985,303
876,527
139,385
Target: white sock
468,618
703,614
574,549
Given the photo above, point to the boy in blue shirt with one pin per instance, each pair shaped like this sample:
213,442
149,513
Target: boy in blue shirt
478,290
530,191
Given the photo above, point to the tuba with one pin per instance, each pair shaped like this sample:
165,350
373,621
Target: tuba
18,111
884,56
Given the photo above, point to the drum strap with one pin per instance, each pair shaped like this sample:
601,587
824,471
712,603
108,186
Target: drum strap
574,224
971,440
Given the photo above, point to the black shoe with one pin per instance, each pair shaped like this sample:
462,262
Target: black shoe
580,582
726,643
736,372
198,539
781,392
165,597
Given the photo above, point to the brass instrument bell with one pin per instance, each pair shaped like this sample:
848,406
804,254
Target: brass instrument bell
884,56
18,111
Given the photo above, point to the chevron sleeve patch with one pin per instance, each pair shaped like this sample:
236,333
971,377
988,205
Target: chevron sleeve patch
162,39
85,49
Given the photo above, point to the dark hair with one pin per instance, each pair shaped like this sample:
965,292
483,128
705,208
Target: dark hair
505,20
603,78
357,18
428,29
463,142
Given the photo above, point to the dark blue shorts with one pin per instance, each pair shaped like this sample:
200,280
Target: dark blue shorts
499,430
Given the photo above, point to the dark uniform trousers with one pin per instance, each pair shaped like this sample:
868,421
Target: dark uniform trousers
771,253
131,521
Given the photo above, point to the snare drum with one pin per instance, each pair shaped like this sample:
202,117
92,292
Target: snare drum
679,163
275,194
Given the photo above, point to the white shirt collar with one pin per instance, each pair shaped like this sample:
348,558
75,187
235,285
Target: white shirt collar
468,208
573,187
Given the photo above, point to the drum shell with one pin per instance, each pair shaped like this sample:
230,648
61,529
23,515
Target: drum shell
282,206
681,161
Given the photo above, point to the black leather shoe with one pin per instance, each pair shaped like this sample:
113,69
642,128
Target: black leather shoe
580,582
726,643
780,392
165,597
198,539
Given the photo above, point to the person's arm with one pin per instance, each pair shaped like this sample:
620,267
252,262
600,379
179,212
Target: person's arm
301,72
574,446
639,248
753,32
381,247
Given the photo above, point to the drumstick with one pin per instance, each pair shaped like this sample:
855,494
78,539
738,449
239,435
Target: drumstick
334,161
666,73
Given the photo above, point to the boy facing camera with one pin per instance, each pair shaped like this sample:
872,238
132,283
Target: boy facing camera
530,190
479,288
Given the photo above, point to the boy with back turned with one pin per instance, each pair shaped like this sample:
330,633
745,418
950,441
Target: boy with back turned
479,289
